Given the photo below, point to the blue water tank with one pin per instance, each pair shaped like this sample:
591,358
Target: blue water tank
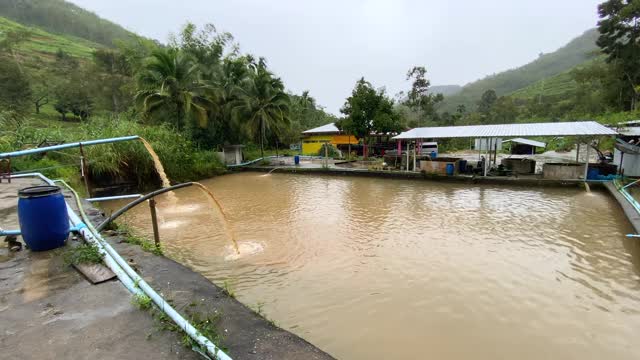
462,166
296,159
450,169
593,173
43,217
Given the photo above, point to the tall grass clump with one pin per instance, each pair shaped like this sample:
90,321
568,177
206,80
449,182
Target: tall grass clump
110,163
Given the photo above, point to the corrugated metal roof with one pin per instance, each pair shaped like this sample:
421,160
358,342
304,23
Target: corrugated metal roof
629,131
632,122
328,128
578,128
527,142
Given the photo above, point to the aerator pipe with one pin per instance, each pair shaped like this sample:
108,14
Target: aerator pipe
125,208
130,278
66,146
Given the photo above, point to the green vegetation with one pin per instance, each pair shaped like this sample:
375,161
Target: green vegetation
62,17
142,301
43,45
131,238
367,111
576,82
197,93
228,290
82,254
187,99
564,59
205,324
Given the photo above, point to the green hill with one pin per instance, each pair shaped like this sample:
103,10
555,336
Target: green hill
41,44
61,17
548,72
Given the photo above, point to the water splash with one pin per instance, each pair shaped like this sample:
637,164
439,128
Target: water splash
227,225
246,249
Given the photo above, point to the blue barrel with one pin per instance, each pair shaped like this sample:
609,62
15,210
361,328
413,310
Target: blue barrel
296,159
43,217
593,173
462,166
450,169
434,154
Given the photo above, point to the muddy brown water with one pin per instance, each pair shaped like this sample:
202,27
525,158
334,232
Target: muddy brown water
375,268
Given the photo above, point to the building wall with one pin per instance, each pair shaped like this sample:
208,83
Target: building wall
630,163
311,145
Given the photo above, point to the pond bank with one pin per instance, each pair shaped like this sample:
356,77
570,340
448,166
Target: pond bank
47,310
522,180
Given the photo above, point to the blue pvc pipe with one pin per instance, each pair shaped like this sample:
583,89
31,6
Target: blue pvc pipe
118,197
66,146
10,232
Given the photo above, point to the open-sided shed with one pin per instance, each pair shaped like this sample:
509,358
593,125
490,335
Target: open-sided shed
583,129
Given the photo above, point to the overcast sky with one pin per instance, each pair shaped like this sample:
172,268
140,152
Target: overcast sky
325,46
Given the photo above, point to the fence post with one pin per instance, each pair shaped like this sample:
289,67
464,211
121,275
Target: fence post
154,222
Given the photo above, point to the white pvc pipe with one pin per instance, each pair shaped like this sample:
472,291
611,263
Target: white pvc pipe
133,281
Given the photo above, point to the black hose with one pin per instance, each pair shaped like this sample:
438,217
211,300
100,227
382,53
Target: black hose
125,208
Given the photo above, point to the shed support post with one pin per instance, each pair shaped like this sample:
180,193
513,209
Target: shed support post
408,147
586,164
577,152
620,167
414,158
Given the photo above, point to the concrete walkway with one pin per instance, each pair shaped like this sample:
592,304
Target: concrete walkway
49,311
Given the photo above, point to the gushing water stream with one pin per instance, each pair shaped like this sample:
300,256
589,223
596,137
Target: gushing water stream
165,183
157,163
227,227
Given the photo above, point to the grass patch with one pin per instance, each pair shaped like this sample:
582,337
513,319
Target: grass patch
259,310
205,325
142,301
228,290
130,237
83,254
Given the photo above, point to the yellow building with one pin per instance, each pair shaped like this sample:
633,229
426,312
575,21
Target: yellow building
313,139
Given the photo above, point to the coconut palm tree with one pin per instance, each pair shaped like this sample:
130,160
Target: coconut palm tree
169,86
261,103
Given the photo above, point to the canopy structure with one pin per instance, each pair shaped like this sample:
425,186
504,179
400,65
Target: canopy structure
578,128
493,133
539,144
324,129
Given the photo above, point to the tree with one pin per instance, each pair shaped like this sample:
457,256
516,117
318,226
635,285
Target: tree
419,98
169,89
504,111
40,90
367,111
619,28
113,74
262,104
488,99
15,90
72,97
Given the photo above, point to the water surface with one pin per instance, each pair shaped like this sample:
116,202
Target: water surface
377,268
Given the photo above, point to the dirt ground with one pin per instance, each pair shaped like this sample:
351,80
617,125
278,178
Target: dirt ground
49,311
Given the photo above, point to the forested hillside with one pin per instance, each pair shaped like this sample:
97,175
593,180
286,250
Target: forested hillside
546,66
61,17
